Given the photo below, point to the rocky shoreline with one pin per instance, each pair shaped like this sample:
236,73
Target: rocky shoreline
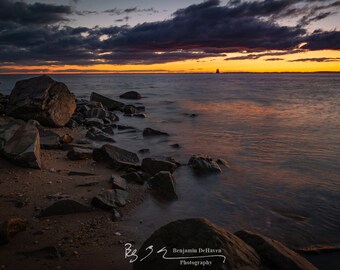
66,187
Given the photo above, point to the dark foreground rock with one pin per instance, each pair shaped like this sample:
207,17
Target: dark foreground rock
131,95
80,154
203,164
273,254
164,184
118,182
20,142
233,253
11,227
136,177
149,132
119,158
49,139
153,166
65,207
110,199
43,99
107,102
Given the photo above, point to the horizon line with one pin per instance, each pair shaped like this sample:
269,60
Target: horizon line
161,73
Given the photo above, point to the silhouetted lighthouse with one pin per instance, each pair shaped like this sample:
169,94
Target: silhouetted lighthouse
217,71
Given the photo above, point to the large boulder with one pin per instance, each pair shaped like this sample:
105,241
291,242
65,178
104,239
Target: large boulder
107,102
164,184
273,254
131,95
203,164
20,142
119,158
43,99
153,166
195,238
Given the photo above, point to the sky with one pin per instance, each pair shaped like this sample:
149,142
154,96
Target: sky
177,36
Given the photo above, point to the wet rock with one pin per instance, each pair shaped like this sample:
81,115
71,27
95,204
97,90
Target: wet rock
152,132
131,95
107,102
134,177
153,166
96,113
144,151
98,135
108,130
164,183
110,199
11,227
65,207
273,254
196,234
129,110
223,162
94,122
174,161
122,127
20,142
49,139
203,164
80,154
119,158
49,252
175,146
43,99
140,115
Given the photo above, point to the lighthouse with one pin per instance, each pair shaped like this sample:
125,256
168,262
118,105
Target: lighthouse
217,71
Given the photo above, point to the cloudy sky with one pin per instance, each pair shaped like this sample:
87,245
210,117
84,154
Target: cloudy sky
169,36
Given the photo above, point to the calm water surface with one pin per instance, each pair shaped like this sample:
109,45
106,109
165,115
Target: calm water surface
280,133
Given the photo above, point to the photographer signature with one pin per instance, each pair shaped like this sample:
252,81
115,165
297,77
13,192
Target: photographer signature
131,253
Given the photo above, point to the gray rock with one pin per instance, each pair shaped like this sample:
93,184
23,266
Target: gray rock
20,142
273,254
147,132
49,139
119,158
164,183
118,182
98,135
144,151
65,207
107,102
108,130
153,166
196,234
43,99
203,164
134,177
94,122
131,95
140,115
110,199
80,154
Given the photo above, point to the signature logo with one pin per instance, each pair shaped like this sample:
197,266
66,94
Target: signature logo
131,253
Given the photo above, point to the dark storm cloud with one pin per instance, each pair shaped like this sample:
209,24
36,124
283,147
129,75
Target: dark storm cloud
37,13
318,59
31,34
